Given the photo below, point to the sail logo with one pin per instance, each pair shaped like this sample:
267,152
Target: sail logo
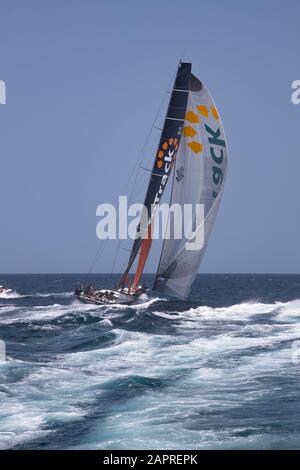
216,143
166,153
190,132
165,159
217,146
2,92
179,174
193,119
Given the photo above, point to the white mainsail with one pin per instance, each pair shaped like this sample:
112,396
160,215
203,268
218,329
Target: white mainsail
201,166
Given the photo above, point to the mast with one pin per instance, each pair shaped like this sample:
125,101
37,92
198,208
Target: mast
163,244
162,167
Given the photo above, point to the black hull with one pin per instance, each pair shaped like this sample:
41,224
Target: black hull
86,299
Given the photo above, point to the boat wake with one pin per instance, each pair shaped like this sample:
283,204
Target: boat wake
157,373
16,295
282,312
52,294
43,313
10,295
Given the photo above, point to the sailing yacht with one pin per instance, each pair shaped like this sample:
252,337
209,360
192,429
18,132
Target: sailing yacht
4,290
193,148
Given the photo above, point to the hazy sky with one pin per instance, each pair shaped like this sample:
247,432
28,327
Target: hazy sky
84,81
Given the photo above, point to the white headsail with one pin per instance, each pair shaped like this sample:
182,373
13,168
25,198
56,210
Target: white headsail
200,172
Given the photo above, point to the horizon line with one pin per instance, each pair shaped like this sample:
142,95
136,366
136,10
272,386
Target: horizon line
150,274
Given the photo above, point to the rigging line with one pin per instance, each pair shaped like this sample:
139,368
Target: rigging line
136,247
141,154
151,171
170,83
100,250
119,241
135,169
150,154
96,257
134,188
133,193
115,256
142,184
183,50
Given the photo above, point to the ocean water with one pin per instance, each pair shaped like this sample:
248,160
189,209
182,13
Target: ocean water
217,371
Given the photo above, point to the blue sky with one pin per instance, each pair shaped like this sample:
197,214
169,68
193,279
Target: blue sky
84,81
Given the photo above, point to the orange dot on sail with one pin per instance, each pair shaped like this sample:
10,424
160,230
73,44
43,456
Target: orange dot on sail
214,112
195,146
191,117
160,154
189,131
203,110
165,145
159,163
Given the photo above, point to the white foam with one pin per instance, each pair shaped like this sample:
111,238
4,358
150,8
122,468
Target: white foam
22,423
106,322
47,312
10,295
7,309
234,312
53,294
16,295
202,371
290,311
